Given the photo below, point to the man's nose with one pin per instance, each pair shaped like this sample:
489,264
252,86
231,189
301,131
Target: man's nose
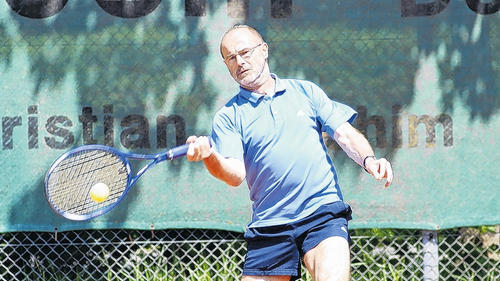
240,60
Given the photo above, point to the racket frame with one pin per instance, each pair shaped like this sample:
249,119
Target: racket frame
170,154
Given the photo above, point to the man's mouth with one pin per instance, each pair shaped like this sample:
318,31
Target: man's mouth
242,71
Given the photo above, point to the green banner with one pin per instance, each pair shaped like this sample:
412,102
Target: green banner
143,75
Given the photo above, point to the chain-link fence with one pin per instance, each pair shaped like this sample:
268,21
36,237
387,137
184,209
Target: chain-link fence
463,254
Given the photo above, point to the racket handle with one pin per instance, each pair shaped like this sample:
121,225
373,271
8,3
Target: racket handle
177,152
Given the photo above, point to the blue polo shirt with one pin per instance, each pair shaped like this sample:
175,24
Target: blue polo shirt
288,170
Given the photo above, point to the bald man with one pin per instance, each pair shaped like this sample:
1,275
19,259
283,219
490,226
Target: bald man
270,133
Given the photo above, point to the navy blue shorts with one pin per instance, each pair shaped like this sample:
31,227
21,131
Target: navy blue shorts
278,250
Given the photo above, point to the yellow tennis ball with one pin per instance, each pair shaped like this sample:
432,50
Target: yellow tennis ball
99,192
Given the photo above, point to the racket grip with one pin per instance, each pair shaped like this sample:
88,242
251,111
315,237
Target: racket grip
178,151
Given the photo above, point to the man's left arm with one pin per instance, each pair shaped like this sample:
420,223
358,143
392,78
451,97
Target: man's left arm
358,149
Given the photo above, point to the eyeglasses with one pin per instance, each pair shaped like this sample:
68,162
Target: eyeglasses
244,54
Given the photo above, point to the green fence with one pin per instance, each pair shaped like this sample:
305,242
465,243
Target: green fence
143,75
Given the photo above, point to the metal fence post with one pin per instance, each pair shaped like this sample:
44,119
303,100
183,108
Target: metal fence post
431,258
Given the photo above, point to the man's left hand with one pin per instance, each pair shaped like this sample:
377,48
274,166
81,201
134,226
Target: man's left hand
380,169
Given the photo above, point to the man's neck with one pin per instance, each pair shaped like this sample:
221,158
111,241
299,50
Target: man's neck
267,88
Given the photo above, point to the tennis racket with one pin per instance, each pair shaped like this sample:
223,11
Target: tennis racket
70,178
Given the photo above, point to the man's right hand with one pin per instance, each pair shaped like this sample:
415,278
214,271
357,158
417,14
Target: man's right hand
199,148
230,170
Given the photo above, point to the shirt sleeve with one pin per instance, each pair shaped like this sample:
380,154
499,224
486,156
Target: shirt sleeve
331,114
226,138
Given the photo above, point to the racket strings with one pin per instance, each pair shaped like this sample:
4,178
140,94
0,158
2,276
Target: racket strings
79,202
70,182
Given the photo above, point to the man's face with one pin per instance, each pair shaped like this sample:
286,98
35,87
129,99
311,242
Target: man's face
245,56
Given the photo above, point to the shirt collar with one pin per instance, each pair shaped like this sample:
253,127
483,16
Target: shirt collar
254,97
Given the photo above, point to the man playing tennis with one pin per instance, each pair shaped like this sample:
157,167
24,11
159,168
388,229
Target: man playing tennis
270,133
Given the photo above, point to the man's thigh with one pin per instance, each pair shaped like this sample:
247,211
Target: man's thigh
265,278
329,260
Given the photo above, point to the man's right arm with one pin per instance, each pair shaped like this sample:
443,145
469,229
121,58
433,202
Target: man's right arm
229,170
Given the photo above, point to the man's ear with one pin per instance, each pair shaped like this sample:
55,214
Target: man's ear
266,50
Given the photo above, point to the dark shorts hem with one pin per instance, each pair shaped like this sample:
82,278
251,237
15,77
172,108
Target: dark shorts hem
257,272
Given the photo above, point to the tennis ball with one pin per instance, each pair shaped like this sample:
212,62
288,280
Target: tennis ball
99,192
